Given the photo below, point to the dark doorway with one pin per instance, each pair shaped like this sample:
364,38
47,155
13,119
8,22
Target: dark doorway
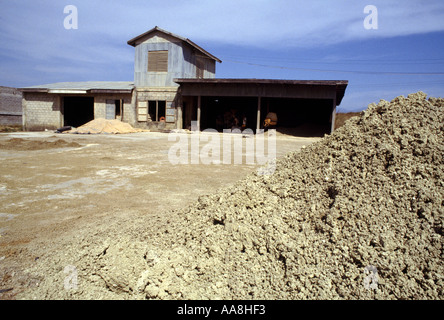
229,113
189,111
300,117
114,109
77,110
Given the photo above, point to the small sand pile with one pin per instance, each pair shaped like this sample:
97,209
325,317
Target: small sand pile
101,125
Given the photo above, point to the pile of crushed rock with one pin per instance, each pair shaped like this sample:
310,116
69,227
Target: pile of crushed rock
357,215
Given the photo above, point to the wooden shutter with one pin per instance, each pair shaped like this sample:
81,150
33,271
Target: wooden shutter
142,111
158,61
170,112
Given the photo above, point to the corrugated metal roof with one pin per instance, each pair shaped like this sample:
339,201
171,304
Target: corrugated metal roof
133,41
80,87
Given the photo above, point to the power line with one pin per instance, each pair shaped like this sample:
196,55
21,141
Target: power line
340,71
434,61
397,84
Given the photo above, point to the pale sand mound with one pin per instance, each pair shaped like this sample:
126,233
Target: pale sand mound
101,125
358,215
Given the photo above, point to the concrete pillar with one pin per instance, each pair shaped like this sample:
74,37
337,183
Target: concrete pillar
24,109
61,111
333,116
157,110
179,120
258,121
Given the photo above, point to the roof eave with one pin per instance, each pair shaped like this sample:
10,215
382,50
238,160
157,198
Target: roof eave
203,50
133,41
110,91
254,80
38,90
339,85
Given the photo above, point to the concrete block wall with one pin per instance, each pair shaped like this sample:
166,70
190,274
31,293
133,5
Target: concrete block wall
168,94
41,111
10,106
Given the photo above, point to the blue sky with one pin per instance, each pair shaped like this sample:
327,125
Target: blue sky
276,39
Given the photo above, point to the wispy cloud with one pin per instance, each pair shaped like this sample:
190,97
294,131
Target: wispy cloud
286,22
249,22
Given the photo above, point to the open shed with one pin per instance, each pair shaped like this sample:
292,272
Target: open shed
305,105
73,104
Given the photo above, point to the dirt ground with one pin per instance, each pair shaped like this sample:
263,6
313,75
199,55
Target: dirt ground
57,190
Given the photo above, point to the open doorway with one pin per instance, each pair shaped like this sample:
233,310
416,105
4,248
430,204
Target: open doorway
114,109
77,110
300,117
229,113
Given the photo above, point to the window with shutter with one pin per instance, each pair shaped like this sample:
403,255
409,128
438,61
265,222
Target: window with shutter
156,110
158,61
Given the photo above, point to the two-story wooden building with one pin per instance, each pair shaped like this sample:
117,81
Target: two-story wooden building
160,58
175,84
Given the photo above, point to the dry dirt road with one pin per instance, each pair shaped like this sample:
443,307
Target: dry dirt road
54,187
